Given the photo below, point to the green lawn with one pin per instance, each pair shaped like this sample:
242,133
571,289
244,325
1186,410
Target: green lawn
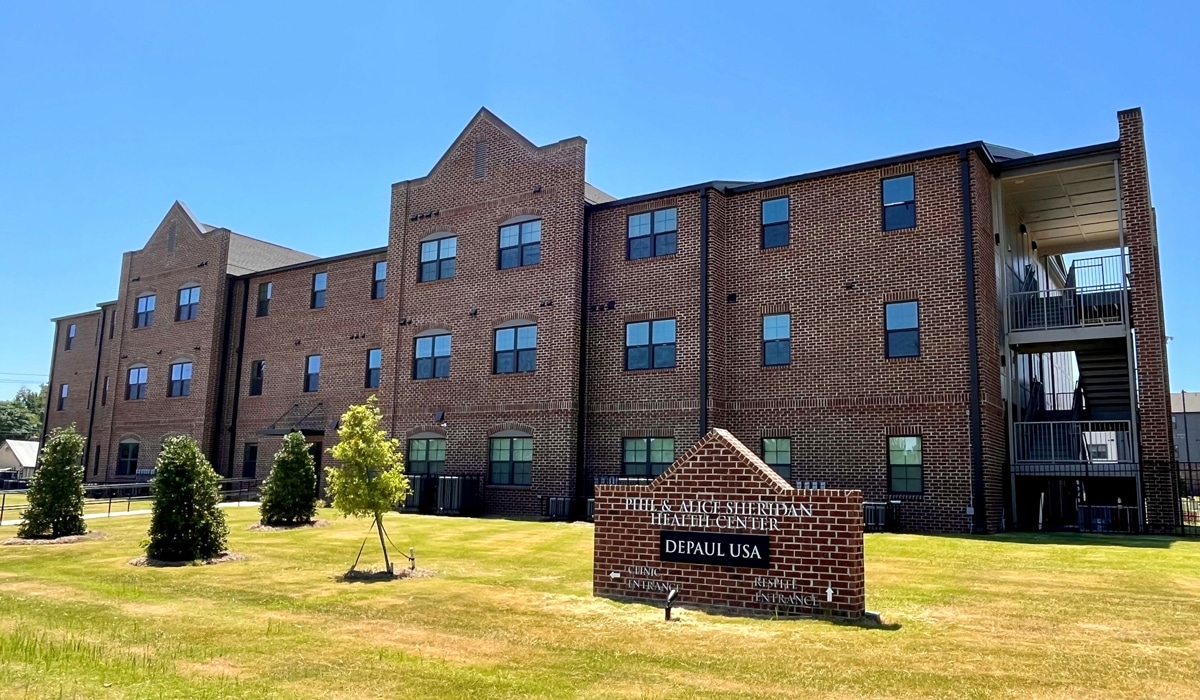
509,614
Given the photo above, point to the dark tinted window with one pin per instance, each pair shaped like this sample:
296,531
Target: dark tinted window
127,458
374,363
515,350
652,233
264,299
145,312
520,244
899,203
189,304
319,282
426,456
903,336
136,387
379,283
777,339
312,373
432,357
181,379
258,370
775,223
650,344
777,453
438,259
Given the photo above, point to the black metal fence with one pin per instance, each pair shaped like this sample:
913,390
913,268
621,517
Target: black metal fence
1189,497
116,498
439,494
881,516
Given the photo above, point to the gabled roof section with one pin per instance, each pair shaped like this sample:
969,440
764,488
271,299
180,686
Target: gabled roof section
595,195
485,115
248,255
25,451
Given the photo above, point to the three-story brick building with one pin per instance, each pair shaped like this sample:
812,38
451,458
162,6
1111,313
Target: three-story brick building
951,331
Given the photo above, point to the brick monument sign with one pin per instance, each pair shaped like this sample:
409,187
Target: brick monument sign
727,532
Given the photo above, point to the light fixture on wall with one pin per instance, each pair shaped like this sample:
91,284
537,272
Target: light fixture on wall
1033,245
1024,230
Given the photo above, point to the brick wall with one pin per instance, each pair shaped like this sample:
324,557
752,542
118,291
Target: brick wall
820,547
489,176
1154,413
76,368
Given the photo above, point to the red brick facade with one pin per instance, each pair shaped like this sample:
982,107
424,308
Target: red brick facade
815,537
838,400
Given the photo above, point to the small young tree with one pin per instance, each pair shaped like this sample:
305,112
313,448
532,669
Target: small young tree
185,523
370,479
290,495
56,493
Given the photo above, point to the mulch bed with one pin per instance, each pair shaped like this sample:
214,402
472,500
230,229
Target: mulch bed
369,575
259,527
55,540
222,558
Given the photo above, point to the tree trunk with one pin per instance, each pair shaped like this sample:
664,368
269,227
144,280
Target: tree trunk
379,525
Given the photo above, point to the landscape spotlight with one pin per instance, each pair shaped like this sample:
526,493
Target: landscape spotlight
671,599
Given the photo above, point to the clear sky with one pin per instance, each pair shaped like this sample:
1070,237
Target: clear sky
289,121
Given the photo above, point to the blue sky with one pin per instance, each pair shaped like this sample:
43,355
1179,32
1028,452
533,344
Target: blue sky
290,121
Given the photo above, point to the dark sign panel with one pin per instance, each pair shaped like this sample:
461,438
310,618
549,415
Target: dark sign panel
720,548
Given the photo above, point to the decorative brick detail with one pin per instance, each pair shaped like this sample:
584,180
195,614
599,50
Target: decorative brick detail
815,537
515,316
634,317
654,431
894,170
510,425
419,429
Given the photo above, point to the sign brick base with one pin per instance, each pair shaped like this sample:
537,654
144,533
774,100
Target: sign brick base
728,533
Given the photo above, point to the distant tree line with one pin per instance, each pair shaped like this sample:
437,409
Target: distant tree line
21,418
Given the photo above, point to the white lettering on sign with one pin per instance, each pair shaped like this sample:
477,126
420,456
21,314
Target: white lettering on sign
733,550
764,516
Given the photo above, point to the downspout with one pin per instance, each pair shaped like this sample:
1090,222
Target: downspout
237,375
222,372
580,507
703,311
95,387
964,158
50,395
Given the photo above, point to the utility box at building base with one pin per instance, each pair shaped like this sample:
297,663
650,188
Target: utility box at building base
728,533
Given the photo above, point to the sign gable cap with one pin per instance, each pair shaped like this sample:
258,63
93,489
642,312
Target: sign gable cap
720,440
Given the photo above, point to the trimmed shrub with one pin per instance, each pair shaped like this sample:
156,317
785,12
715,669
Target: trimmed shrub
56,492
289,497
185,524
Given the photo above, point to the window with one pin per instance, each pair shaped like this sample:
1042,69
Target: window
432,357
374,363
437,259
312,372
319,281
652,234
512,460
520,244
258,370
777,340
70,336
181,379
189,304
902,329
516,350
777,453
899,203
145,312
136,387
104,393
62,397
379,285
96,462
904,465
775,228
264,299
1098,452
427,456
127,458
250,460
650,344
647,456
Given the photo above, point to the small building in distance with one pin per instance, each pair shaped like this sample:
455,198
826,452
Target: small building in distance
20,457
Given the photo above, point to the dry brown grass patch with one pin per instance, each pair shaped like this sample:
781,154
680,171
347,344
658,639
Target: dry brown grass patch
222,558
69,539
